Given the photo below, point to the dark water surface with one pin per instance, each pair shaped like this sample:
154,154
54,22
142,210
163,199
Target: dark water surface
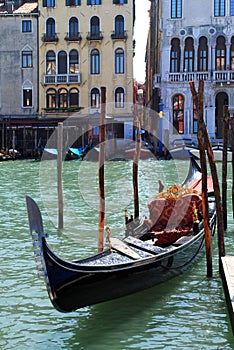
188,312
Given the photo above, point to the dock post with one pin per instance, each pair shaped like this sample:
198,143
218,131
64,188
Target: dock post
101,175
231,111
59,175
224,166
198,99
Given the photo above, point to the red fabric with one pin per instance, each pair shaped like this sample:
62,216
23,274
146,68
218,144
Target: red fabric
197,185
170,219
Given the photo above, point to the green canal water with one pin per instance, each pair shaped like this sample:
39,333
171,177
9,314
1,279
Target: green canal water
188,312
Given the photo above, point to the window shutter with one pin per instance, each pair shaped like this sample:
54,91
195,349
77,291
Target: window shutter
44,3
67,2
88,2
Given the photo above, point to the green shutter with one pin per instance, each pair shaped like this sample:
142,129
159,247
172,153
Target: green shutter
44,3
88,2
67,2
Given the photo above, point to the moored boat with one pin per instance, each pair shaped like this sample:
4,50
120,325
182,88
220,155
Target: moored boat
153,251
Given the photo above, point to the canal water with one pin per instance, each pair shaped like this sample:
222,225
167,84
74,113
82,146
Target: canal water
186,312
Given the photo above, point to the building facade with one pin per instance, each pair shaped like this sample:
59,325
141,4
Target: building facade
84,45
18,66
196,43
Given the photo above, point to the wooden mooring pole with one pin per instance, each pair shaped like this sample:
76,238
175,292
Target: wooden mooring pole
232,131
224,165
101,175
59,175
216,186
198,102
135,166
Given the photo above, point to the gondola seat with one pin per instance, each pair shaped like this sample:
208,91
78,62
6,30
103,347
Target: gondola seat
171,219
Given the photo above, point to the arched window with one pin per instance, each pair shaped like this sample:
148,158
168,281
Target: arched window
63,98
232,54
95,26
95,98
189,55
74,97
62,62
202,55
119,97
50,28
73,27
220,52
119,25
178,113
94,62
50,62
73,62
175,56
51,98
119,61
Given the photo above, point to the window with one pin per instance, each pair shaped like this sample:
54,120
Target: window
175,56
51,98
48,3
232,54
73,62
120,2
176,8
178,114
73,27
62,62
26,26
27,97
119,97
63,98
189,55
220,53
231,7
50,62
95,26
95,62
202,55
50,28
95,98
119,25
219,8
74,97
195,119
27,59
94,2
72,2
119,61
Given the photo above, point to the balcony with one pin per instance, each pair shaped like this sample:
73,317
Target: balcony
225,77
95,36
119,36
57,79
50,38
188,76
73,37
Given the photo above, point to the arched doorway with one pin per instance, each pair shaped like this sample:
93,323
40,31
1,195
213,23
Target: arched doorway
221,100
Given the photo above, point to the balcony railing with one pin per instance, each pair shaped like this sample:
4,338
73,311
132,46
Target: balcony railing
119,36
95,36
50,38
73,37
215,77
188,76
57,79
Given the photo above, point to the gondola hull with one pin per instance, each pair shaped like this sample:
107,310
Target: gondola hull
125,267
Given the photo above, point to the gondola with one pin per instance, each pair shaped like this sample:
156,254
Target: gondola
134,263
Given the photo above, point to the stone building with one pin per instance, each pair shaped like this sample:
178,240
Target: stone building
18,68
194,41
83,45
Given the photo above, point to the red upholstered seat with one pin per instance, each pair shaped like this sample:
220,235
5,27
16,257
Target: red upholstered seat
172,218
